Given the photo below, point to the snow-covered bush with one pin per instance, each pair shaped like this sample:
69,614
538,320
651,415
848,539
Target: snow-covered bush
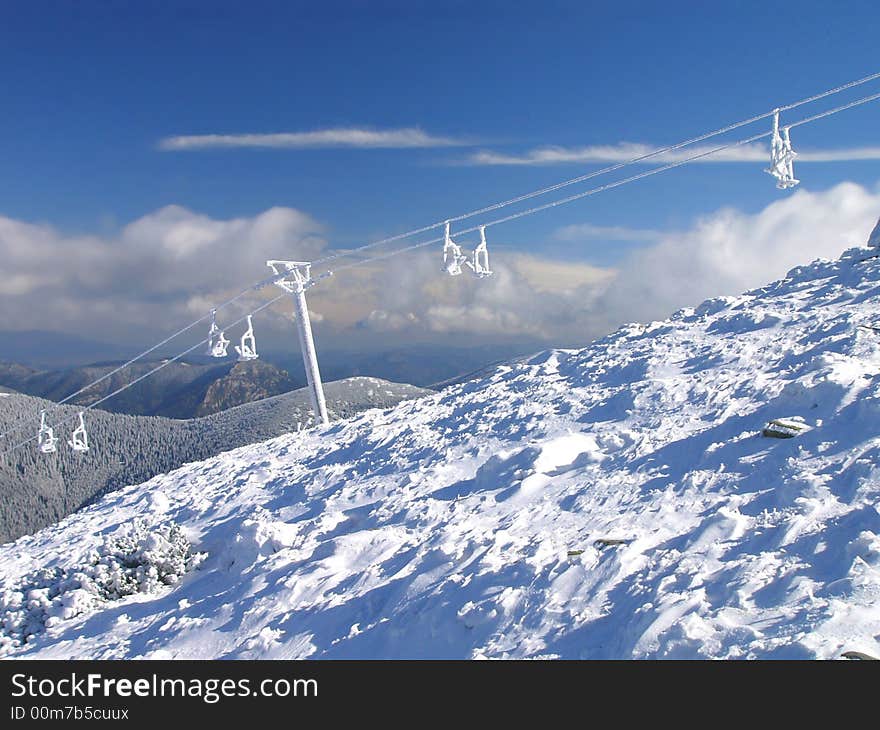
137,558
140,560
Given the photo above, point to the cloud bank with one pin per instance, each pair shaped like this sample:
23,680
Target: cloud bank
406,138
625,151
159,272
168,268
567,303
728,252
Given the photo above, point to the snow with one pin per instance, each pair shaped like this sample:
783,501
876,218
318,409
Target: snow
612,502
137,558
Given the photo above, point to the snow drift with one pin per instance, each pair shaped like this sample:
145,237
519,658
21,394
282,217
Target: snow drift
611,502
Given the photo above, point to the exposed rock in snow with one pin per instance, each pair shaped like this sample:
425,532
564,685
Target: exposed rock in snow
614,501
785,428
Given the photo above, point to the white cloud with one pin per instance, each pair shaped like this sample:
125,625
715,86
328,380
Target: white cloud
587,231
167,268
527,297
411,137
842,155
625,151
729,252
726,252
158,272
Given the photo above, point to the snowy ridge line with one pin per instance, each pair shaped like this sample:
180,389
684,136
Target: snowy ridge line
616,183
272,279
137,380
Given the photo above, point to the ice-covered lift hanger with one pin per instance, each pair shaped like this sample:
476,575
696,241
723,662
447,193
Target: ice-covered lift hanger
453,258
79,439
248,348
782,156
480,263
46,438
217,342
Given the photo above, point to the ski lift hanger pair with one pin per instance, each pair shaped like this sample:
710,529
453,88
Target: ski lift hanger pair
217,342
47,440
453,257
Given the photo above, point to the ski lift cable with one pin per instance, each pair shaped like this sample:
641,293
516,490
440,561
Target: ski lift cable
834,110
611,185
490,208
144,376
272,279
598,173
146,352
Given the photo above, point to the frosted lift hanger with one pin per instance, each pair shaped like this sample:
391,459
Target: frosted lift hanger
782,156
453,258
217,342
79,439
248,348
480,263
46,438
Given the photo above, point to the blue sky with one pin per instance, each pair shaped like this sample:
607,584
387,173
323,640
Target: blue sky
91,89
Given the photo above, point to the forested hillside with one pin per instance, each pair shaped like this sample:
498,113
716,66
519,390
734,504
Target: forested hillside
38,489
178,390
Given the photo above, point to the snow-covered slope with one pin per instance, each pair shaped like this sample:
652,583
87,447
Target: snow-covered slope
615,501
38,490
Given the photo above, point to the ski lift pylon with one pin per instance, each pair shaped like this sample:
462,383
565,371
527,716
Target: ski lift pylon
782,156
480,263
46,438
79,439
453,258
248,348
217,342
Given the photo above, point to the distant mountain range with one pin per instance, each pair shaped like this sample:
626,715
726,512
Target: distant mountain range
179,390
202,386
418,363
38,489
